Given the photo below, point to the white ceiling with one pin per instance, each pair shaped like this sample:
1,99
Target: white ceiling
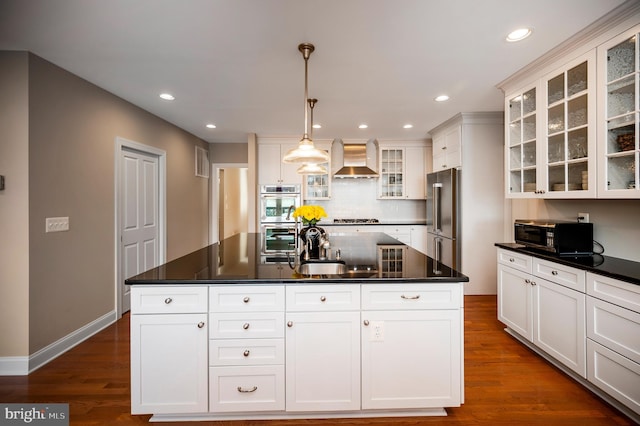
235,63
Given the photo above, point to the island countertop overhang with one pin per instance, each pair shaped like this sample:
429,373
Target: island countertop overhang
239,260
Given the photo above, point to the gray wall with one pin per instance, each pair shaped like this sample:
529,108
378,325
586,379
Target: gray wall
14,205
72,127
228,153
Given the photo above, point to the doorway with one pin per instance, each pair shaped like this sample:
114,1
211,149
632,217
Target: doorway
140,191
229,201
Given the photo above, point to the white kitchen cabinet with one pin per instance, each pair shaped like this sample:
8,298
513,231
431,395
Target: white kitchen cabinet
618,114
168,350
403,170
271,169
447,147
550,314
401,368
551,143
323,348
418,235
246,350
318,187
613,346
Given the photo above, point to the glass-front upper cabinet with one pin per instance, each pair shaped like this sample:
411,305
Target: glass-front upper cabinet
521,149
619,151
391,173
568,153
318,187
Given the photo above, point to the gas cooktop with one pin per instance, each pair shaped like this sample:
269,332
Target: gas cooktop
356,221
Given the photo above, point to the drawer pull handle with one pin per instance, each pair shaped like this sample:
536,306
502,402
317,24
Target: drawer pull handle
527,281
290,324
201,324
417,296
512,260
245,325
323,299
554,272
253,389
533,283
168,300
366,322
246,299
246,352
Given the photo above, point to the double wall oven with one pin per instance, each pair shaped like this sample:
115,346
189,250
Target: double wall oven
277,203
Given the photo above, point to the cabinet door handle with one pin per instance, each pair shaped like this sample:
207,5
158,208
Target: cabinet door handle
417,296
527,281
168,300
246,299
290,324
533,283
365,322
241,390
512,260
323,299
201,324
554,272
245,325
246,352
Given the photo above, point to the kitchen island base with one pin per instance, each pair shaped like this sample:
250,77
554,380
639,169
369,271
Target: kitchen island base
431,412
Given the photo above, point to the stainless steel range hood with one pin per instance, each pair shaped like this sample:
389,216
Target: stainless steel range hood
354,163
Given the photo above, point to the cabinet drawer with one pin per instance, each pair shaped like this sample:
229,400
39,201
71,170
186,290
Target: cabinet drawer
615,291
614,327
168,299
241,389
411,296
246,352
515,260
240,298
254,325
560,274
616,375
325,297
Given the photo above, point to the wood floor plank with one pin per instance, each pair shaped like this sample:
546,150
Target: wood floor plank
505,384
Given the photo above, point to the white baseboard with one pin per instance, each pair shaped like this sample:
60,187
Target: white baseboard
22,366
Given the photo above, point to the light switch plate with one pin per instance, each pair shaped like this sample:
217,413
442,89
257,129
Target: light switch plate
56,224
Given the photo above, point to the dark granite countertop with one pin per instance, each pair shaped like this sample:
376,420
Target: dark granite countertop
613,267
239,260
385,222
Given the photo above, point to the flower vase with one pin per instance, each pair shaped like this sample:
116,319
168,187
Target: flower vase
313,234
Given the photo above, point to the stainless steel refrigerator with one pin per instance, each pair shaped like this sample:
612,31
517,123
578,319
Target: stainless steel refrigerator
443,217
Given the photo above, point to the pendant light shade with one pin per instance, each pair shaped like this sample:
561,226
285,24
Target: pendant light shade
312,169
306,152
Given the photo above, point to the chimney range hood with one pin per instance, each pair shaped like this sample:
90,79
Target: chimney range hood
355,162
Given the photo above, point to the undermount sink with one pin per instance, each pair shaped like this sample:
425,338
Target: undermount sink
322,268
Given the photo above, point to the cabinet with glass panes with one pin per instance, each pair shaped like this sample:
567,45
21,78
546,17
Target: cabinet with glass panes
391,173
619,150
318,187
551,136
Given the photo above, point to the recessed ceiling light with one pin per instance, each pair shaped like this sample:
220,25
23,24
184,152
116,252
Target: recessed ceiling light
167,96
317,126
211,126
441,98
519,34
407,126
362,126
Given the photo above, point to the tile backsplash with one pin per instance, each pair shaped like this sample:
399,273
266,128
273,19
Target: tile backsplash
357,198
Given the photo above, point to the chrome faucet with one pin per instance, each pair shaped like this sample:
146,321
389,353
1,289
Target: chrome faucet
291,207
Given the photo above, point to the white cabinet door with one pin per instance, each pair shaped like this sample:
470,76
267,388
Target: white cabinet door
402,367
446,149
515,300
169,363
419,238
323,361
271,169
559,324
416,173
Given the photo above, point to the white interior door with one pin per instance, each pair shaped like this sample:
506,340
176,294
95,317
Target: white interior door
139,216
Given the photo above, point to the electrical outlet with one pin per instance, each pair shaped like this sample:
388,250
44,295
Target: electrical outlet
583,217
377,331
56,224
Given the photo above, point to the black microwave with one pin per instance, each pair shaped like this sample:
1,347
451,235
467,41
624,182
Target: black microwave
563,238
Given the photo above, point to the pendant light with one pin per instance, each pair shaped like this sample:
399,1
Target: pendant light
311,168
306,152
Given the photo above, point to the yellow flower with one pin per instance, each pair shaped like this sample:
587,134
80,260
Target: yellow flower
309,214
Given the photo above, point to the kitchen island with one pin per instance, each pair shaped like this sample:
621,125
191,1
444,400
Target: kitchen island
225,333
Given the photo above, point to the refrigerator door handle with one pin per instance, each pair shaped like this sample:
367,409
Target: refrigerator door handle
437,247
437,187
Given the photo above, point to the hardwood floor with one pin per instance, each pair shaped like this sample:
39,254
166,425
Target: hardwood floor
506,384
